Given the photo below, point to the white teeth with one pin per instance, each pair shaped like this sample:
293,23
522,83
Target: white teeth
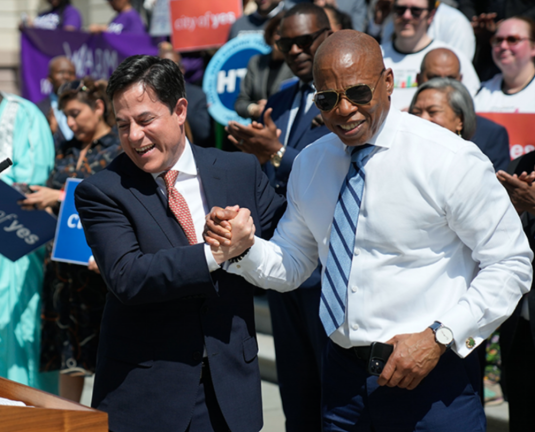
350,126
144,149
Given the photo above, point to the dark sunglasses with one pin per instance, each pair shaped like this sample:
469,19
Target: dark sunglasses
285,44
511,40
359,94
72,86
416,12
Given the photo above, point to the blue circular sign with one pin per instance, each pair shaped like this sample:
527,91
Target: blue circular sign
224,73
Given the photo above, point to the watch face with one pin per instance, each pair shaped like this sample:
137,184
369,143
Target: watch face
444,336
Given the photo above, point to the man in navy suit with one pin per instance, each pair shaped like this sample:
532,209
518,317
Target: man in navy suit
291,122
178,349
491,138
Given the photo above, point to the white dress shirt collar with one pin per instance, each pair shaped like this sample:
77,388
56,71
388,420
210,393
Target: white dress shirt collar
185,164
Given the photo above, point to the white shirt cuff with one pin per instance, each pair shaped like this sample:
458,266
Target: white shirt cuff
210,260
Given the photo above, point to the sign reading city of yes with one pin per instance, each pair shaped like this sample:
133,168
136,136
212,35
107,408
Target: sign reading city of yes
224,73
201,24
520,129
70,245
21,231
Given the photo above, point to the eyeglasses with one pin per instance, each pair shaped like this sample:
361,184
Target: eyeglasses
416,12
359,94
73,86
286,44
511,40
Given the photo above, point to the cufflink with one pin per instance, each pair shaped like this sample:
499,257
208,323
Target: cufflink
470,343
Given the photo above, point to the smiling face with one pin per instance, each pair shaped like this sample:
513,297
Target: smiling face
82,119
61,71
150,135
512,58
354,124
300,60
433,105
408,25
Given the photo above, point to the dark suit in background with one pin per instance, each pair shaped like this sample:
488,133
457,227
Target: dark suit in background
164,306
517,335
297,330
493,140
201,124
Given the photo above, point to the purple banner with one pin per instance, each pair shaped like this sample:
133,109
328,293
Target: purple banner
97,55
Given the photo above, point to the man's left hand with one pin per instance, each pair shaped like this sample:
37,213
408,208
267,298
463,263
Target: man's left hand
260,140
414,356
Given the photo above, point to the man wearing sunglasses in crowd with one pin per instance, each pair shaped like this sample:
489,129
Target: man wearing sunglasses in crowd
420,246
290,123
405,52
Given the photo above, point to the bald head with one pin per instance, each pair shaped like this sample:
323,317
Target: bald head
352,61
60,71
439,63
348,45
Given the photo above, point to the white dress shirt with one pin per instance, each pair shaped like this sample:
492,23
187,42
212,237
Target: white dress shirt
491,97
437,236
295,108
188,183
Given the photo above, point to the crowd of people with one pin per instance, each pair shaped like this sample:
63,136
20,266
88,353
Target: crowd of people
433,258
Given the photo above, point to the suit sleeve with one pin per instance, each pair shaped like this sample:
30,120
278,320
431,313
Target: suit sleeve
133,276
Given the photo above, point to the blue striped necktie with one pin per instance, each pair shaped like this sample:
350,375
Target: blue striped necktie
342,242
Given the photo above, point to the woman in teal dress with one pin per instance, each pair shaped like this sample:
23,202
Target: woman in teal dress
27,140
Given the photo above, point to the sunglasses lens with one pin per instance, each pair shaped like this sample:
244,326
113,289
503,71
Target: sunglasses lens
360,94
326,101
285,45
416,12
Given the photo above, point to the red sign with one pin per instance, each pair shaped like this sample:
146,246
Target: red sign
202,24
520,127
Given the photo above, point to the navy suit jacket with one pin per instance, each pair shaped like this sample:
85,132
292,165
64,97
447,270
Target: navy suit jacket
493,140
305,134
164,306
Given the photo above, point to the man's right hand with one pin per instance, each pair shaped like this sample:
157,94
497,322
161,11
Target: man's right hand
229,232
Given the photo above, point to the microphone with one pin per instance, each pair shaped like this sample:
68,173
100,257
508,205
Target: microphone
5,164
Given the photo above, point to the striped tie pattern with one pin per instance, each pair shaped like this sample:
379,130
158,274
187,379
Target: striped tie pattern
342,242
179,207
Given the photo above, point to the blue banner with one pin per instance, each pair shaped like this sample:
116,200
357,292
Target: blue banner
21,231
224,73
70,245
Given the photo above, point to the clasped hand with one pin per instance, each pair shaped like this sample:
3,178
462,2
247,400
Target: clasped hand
229,232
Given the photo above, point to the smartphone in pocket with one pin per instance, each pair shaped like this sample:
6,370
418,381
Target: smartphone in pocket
379,354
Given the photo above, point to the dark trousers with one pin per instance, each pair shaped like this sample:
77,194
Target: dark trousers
519,372
207,416
445,401
299,343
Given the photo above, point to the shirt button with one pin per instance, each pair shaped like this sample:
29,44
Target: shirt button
238,266
354,288
356,251
355,326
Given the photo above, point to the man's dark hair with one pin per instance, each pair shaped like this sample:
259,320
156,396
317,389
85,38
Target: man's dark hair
161,75
322,20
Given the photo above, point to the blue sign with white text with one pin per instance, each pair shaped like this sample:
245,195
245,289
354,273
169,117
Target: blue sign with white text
224,73
21,231
70,244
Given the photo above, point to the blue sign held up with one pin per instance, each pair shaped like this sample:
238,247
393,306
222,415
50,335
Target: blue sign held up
224,73
21,231
70,245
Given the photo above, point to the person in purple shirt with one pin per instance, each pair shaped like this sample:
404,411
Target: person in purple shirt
62,15
127,20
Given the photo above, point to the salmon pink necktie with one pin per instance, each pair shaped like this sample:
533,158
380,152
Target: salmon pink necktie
179,207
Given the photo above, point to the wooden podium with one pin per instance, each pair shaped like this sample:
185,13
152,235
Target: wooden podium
51,413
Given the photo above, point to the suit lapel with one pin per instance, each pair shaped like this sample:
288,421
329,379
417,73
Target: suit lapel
304,126
213,179
147,192
284,107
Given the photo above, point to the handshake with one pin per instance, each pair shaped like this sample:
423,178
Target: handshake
229,232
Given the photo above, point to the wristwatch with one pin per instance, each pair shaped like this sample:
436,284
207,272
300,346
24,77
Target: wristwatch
277,157
443,334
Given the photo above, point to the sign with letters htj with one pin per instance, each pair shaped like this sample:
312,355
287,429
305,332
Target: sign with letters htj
224,73
202,24
70,245
21,231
